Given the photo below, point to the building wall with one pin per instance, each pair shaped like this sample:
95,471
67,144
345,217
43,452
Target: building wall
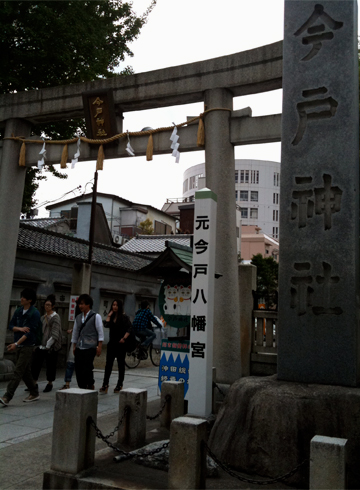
257,191
156,216
49,274
120,215
254,242
111,209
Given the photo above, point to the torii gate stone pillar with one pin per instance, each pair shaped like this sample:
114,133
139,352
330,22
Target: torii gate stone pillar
12,180
220,171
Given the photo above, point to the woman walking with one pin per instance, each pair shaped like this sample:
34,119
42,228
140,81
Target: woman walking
50,345
120,328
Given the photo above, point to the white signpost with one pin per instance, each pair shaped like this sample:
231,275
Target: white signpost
202,304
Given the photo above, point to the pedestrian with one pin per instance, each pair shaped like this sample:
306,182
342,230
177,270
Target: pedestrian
50,345
142,324
87,337
24,324
70,366
120,328
70,363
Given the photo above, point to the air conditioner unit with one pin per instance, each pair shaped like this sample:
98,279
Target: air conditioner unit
118,239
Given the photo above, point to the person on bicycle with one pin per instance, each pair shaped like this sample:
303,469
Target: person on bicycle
142,324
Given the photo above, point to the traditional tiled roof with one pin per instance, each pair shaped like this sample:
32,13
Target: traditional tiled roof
154,243
173,259
61,245
43,223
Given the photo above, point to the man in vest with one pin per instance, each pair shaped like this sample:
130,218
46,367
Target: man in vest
87,338
24,325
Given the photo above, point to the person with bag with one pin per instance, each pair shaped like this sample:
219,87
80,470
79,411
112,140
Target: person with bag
87,339
120,329
50,345
24,324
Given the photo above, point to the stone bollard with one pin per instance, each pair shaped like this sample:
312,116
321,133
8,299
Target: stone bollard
175,407
187,458
132,431
73,440
327,463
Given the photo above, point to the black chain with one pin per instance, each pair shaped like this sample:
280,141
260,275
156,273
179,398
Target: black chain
99,434
249,480
128,455
167,399
218,387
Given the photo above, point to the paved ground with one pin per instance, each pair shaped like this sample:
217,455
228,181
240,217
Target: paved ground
26,437
26,428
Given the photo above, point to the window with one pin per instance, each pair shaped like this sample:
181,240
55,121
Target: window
236,176
192,182
254,176
275,215
275,198
276,179
254,196
244,195
244,176
244,212
197,180
275,231
253,213
185,186
236,195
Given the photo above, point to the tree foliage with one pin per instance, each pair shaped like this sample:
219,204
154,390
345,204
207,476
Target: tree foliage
49,43
147,227
267,278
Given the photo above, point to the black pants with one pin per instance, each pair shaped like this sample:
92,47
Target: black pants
39,356
84,365
113,351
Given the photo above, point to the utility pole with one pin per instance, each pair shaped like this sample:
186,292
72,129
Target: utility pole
92,219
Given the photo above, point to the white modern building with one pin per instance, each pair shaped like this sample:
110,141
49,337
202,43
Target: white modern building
257,192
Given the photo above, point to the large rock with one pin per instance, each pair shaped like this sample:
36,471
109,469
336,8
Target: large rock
265,426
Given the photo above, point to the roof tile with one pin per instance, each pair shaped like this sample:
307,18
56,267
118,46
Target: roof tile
154,243
39,240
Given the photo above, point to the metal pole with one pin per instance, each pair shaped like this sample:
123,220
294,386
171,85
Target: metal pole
92,220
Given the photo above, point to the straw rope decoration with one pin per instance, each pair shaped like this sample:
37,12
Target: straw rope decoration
100,159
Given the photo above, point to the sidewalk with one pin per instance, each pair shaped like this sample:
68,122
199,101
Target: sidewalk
26,428
20,421
26,439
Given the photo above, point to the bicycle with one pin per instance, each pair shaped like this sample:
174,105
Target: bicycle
140,353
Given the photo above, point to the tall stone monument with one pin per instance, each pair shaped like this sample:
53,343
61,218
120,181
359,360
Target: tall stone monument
319,331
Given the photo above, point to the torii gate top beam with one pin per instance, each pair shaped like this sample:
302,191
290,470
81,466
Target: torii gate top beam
247,72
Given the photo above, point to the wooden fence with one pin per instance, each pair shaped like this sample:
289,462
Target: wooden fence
264,342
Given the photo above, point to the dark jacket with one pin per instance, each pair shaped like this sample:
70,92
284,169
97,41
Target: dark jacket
119,328
29,319
143,319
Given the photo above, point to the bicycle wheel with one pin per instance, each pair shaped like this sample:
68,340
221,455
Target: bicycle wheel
132,359
155,355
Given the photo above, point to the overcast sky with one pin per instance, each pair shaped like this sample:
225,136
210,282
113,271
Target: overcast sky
180,32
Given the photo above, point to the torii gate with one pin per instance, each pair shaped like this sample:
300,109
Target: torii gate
216,82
